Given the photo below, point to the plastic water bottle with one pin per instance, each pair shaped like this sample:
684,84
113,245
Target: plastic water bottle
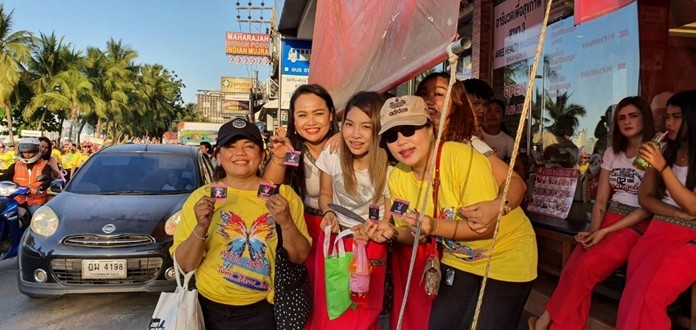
360,269
641,163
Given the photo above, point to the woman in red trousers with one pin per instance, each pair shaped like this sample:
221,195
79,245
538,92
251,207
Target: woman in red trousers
663,263
617,221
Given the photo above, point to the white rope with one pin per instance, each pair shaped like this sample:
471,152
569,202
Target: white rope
453,58
515,150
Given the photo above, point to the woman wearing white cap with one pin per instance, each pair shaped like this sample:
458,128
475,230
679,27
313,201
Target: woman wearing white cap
465,178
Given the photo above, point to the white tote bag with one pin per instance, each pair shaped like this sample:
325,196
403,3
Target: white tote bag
178,310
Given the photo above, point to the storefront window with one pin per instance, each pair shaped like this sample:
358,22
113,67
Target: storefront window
585,70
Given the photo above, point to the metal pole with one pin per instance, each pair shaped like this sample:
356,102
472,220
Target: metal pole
280,76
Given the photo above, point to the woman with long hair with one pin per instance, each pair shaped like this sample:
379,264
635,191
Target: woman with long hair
312,122
463,126
662,265
355,178
47,155
465,178
232,243
617,221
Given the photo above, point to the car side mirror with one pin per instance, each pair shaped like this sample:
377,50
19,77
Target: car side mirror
56,186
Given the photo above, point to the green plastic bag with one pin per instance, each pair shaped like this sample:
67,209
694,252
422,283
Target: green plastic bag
336,274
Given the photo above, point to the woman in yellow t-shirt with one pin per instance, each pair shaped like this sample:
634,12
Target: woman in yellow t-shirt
465,178
231,241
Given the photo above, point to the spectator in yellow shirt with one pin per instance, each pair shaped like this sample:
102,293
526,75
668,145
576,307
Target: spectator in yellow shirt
68,158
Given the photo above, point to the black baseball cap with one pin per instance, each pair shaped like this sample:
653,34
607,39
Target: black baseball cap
238,127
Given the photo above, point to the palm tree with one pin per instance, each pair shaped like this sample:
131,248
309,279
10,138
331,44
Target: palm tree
15,50
50,56
75,94
189,112
561,106
159,92
112,74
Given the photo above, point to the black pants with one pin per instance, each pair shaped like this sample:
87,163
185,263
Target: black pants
454,307
255,316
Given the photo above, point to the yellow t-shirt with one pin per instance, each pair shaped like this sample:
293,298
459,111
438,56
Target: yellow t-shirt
56,154
68,160
7,159
466,178
239,261
80,159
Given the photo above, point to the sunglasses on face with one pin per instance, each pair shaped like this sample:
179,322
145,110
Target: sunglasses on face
392,135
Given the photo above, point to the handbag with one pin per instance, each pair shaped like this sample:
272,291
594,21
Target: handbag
292,304
336,274
432,273
180,309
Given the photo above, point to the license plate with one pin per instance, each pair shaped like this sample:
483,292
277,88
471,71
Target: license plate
104,269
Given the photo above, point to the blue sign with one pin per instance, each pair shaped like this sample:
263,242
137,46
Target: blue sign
295,57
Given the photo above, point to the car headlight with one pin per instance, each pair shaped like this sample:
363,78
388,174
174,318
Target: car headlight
170,225
44,222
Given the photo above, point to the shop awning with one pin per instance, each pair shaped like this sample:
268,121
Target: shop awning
376,45
586,10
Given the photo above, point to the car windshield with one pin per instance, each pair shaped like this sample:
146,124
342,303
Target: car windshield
136,173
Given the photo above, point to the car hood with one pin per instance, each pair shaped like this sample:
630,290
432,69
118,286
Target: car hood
88,214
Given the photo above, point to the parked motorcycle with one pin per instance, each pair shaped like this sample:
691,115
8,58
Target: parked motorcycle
12,225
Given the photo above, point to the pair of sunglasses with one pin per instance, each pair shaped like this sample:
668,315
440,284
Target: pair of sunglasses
392,134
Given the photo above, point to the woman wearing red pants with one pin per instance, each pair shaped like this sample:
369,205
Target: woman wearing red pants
663,263
617,221
355,178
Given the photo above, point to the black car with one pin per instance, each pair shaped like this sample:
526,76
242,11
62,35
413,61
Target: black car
111,228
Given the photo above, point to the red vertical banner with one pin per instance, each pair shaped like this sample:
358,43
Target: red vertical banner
375,45
586,10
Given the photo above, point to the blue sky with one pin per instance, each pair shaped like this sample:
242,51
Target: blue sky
187,37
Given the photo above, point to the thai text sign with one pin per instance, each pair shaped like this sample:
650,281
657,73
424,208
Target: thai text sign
252,44
516,29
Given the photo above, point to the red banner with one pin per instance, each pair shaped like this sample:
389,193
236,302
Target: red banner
376,45
586,10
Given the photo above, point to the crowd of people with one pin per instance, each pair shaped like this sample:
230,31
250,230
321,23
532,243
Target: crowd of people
374,164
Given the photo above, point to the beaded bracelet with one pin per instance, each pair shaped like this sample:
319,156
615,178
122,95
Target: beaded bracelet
200,238
395,236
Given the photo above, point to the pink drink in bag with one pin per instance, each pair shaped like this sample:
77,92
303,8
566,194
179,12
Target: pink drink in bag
360,269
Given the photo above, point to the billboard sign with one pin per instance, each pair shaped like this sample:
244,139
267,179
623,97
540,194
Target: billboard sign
234,105
288,85
236,85
516,30
250,44
296,56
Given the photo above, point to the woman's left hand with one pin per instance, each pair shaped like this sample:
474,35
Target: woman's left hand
279,208
481,216
427,226
360,233
652,155
594,238
332,143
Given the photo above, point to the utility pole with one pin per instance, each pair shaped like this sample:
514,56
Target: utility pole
254,11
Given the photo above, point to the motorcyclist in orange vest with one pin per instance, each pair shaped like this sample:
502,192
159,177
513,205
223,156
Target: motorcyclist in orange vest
26,170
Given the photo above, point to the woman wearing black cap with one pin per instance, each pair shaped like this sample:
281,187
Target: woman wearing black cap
231,240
